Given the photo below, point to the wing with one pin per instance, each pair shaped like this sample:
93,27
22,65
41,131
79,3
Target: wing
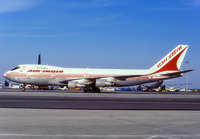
93,79
119,77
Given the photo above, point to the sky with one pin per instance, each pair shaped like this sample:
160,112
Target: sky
122,34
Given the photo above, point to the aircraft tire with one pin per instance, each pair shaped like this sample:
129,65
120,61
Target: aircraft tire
96,89
139,88
84,89
92,90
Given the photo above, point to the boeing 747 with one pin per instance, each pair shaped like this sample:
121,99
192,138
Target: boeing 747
90,79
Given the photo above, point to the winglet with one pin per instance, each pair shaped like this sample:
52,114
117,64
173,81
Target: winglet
172,61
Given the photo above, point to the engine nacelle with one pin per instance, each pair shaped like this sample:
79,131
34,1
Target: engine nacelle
103,83
72,84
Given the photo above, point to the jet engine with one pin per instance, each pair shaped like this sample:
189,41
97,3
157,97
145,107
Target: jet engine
72,84
103,83
153,86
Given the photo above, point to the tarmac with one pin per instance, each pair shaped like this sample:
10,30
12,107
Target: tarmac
84,124
31,123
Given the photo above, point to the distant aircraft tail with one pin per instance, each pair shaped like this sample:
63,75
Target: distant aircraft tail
172,61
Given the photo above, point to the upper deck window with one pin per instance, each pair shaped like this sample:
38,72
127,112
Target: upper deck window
15,68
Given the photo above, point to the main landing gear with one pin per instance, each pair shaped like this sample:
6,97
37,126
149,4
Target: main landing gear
92,90
139,88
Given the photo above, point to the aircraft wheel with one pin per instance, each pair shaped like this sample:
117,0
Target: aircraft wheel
91,90
51,88
85,90
139,87
96,89
23,88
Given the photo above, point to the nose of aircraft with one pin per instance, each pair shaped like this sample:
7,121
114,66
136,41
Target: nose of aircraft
5,75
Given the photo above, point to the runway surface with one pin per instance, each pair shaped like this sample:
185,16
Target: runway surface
57,114
90,124
100,101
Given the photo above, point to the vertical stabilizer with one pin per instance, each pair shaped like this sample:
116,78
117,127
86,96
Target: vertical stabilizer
172,61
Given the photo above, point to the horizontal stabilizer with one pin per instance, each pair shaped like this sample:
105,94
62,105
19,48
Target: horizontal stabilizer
176,73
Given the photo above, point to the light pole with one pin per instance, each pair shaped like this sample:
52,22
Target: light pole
187,63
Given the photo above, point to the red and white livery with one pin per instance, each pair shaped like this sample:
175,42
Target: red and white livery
91,79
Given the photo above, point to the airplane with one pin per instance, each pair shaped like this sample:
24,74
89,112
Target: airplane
90,79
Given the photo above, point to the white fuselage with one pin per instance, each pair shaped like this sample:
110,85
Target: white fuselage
52,75
43,75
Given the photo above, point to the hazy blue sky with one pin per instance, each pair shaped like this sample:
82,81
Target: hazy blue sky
130,34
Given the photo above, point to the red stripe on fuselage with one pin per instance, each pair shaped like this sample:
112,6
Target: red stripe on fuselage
71,76
54,75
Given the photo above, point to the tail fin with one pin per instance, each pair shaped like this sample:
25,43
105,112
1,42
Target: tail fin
172,61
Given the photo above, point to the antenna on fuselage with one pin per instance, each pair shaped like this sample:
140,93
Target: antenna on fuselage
39,59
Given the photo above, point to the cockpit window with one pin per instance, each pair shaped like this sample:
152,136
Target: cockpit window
15,68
